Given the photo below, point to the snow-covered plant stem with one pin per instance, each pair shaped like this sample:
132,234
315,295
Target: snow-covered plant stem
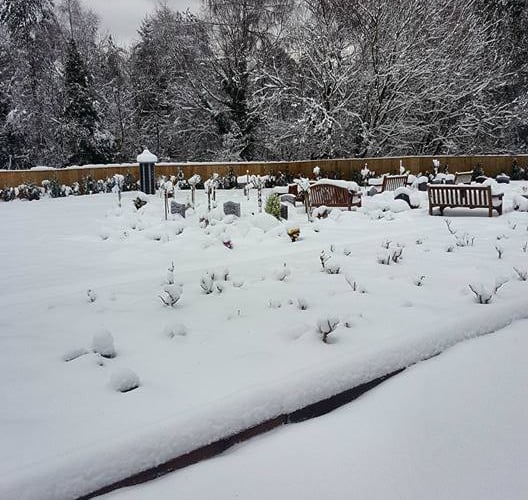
521,273
484,294
172,295
325,326
170,274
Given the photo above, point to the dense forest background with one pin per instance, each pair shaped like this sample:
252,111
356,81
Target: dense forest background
264,80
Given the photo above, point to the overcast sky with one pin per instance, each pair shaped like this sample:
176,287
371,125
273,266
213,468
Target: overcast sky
123,17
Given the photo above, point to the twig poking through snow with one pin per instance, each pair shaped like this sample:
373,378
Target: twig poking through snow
325,326
521,273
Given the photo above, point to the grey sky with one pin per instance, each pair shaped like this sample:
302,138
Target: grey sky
122,17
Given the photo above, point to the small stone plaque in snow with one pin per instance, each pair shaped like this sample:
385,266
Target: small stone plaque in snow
288,198
178,208
232,208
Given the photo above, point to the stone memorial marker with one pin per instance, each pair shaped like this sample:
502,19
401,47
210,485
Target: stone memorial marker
232,208
284,211
288,198
178,208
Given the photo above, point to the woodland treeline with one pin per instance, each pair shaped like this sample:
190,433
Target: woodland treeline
264,80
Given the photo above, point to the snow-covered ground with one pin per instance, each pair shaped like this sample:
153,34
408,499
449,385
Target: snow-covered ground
453,427
217,363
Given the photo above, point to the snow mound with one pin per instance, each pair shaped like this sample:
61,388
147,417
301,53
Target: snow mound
124,380
266,222
103,344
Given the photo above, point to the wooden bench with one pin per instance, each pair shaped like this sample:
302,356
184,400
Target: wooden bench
451,196
393,182
330,195
463,177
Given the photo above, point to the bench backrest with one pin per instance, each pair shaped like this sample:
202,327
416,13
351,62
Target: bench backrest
463,177
460,196
329,195
393,182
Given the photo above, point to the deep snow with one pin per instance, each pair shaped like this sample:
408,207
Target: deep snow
217,363
453,427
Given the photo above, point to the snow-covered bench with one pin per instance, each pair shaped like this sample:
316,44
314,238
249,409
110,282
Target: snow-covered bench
389,183
452,196
463,177
334,193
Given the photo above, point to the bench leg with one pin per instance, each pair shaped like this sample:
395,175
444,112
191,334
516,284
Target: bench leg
490,212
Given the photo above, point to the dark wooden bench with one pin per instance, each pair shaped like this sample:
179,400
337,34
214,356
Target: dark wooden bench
451,196
393,182
330,195
463,177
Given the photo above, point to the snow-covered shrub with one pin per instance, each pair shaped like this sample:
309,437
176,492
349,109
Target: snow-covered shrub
390,255
384,258
302,304
321,212
103,344
484,293
171,295
418,280
124,380
207,283
273,205
356,287
92,296
325,326
332,266
175,330
323,258
520,203
465,240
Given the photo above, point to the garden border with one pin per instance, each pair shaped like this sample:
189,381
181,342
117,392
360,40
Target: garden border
215,448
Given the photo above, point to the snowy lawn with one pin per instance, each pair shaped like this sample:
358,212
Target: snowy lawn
81,274
451,427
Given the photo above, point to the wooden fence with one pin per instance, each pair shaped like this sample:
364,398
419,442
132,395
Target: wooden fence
492,166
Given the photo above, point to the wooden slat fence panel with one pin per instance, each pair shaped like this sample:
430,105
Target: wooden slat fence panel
492,165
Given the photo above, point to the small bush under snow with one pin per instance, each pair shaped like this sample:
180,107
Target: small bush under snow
103,344
124,380
175,330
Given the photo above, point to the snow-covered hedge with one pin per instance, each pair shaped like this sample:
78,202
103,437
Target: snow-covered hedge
52,189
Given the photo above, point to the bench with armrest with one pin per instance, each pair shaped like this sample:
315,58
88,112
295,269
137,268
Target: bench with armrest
333,195
453,196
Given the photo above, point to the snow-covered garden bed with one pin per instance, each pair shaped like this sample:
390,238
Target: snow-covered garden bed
102,379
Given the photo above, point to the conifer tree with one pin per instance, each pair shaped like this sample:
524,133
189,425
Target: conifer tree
85,143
